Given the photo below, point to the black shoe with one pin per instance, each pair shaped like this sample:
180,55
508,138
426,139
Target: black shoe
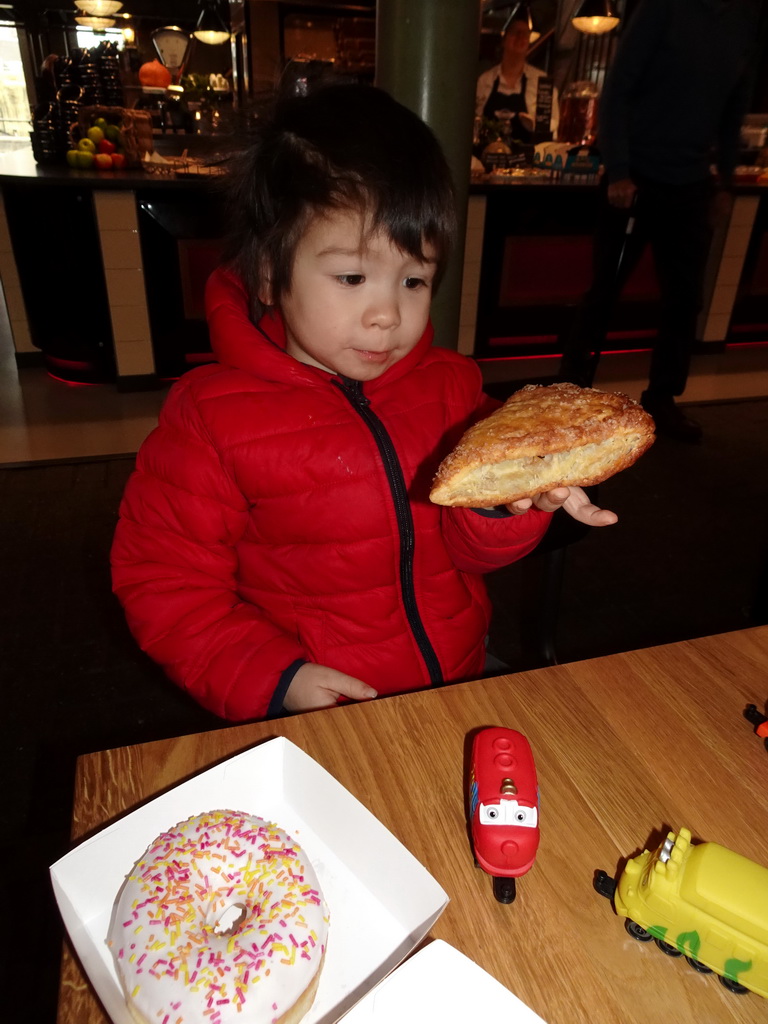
670,420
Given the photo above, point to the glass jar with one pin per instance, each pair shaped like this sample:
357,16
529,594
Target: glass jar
578,114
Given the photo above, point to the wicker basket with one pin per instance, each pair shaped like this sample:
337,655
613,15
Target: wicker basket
135,127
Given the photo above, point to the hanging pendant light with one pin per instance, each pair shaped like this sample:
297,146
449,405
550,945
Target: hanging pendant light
211,28
98,8
95,23
519,10
594,17
522,12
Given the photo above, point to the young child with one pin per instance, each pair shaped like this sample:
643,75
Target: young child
276,546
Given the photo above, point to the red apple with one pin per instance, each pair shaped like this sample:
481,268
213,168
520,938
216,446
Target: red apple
118,161
103,161
105,146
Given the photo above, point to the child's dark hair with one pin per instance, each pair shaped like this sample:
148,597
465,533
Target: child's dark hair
343,147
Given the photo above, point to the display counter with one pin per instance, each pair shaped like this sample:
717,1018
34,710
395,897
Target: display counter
529,257
104,273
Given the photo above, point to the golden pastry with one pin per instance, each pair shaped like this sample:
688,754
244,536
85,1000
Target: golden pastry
558,435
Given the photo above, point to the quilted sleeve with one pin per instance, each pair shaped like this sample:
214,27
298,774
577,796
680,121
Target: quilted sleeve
480,542
174,564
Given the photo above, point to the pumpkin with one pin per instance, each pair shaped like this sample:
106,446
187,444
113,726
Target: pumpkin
155,75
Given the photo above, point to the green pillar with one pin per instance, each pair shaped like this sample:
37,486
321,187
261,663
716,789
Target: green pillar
427,57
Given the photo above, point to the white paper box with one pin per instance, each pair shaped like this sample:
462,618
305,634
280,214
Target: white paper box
440,984
382,901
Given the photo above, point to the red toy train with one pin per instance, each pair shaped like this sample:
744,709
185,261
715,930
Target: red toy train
503,807
759,721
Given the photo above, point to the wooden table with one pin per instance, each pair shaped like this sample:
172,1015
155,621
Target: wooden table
626,747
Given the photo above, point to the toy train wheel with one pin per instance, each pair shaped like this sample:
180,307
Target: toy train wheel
666,948
504,889
697,965
733,986
637,932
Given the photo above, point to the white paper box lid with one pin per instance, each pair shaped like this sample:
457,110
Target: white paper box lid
440,984
382,901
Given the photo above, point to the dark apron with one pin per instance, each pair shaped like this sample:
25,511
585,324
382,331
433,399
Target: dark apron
506,108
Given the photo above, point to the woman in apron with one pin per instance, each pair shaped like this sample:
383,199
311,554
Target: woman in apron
500,107
507,92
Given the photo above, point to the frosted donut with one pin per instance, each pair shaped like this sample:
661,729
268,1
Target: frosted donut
222,919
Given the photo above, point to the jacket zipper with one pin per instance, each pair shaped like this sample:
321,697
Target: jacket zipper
353,391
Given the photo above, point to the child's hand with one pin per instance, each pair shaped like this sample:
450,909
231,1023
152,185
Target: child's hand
316,686
573,500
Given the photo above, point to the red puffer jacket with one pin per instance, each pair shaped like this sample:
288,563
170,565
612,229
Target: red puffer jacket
279,514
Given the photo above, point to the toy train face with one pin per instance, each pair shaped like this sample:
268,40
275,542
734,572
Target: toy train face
704,901
503,803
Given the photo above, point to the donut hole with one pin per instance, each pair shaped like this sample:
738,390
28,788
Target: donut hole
230,919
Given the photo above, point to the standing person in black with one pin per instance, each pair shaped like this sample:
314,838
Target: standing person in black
671,107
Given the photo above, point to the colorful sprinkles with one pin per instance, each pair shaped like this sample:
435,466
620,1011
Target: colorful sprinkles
175,962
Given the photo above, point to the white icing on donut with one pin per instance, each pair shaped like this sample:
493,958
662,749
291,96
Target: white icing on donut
170,938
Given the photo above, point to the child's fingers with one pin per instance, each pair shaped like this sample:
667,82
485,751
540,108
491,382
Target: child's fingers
551,501
353,689
591,515
518,508
317,686
581,509
575,502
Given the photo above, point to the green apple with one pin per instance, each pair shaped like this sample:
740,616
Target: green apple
95,134
87,145
100,122
112,132
84,159
72,155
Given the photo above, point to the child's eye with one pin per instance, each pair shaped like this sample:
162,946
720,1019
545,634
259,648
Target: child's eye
414,282
350,279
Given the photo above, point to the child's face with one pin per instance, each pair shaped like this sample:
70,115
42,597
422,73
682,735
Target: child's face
356,305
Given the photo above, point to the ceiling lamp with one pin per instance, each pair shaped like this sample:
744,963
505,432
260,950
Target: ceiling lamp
98,8
518,10
96,23
210,27
594,17
522,12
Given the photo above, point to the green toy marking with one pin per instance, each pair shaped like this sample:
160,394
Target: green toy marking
733,968
692,940
658,931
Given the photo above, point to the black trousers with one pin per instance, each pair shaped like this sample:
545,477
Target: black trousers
675,220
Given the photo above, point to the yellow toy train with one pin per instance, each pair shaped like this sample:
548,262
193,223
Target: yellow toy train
701,901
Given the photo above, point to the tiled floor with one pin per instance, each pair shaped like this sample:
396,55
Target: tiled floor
739,372
43,418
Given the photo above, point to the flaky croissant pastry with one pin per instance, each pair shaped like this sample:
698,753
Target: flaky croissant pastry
560,435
